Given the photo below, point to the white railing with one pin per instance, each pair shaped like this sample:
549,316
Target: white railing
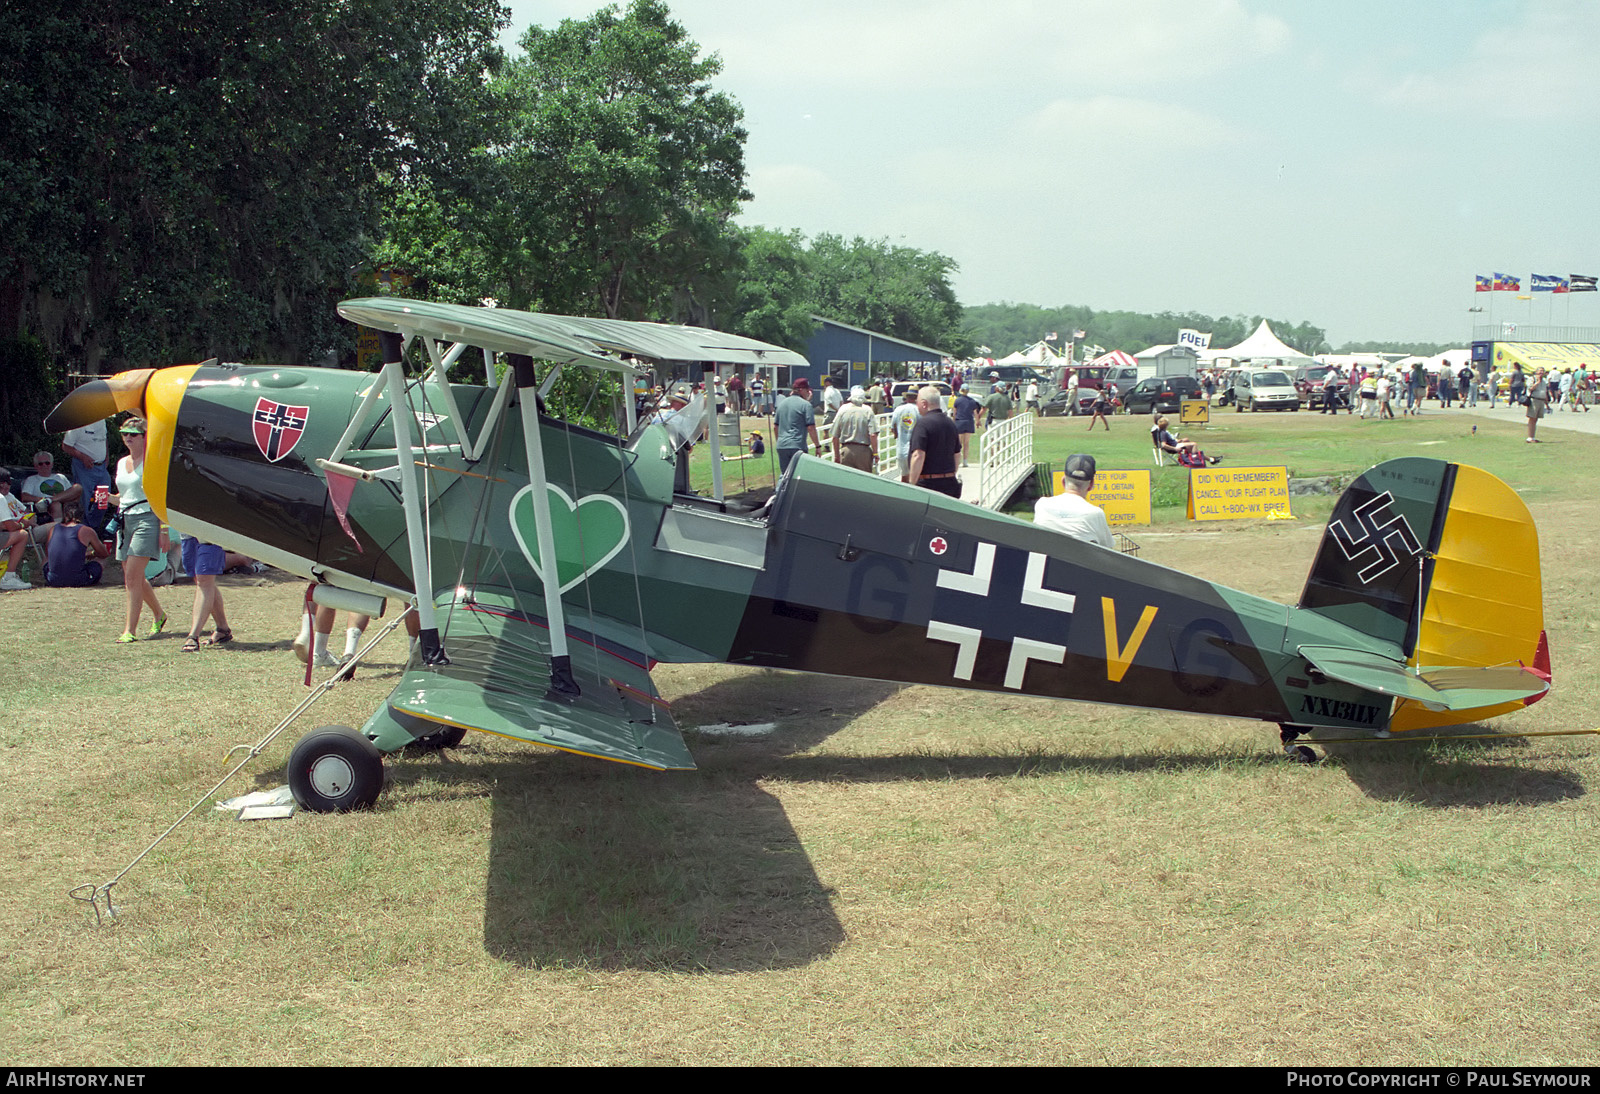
888,453
1005,460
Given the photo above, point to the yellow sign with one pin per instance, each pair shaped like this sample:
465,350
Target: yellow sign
1194,412
1124,495
1238,493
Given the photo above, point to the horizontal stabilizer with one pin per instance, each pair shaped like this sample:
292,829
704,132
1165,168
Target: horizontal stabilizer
1443,688
497,680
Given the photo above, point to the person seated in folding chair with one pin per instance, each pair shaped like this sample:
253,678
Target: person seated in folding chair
15,527
1187,452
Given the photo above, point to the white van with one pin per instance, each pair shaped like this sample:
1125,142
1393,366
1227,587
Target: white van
1264,389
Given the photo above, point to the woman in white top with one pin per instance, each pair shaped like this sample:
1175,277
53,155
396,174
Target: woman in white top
141,531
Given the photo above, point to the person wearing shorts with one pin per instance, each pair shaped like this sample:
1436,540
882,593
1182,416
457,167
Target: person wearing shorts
204,561
964,411
141,531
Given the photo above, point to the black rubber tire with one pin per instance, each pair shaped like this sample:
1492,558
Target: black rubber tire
1300,754
334,769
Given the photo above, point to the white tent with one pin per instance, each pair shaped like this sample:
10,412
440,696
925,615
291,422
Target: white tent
1038,354
1262,345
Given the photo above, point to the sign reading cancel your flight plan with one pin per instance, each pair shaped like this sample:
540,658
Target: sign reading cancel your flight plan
1238,493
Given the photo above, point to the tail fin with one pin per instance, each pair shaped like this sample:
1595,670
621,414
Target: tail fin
1442,560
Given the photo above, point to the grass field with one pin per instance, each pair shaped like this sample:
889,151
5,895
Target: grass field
896,875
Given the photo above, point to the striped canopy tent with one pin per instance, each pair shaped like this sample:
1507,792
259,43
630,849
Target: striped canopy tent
1115,358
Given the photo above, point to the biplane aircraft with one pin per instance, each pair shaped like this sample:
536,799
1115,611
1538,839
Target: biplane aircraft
552,565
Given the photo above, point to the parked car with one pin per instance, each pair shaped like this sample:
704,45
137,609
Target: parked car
1059,404
1012,374
897,391
1264,389
1161,393
1308,380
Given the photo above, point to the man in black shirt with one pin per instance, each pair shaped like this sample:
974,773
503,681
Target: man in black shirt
934,444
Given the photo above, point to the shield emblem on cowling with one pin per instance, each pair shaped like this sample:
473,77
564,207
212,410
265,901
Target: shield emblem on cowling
277,427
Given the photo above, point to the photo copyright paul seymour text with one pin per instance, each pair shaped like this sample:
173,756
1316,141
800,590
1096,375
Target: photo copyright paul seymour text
1437,1079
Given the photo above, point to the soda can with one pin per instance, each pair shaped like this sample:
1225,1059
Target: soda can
102,497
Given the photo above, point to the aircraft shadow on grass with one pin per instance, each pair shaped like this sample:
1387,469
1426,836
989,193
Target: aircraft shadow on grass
701,871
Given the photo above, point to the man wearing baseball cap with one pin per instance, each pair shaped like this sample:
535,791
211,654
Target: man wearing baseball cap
1071,512
796,421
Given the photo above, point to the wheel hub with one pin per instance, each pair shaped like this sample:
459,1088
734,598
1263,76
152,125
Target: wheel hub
332,776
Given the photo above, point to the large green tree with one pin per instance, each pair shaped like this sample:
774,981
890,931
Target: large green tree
182,178
607,187
783,280
774,297
882,286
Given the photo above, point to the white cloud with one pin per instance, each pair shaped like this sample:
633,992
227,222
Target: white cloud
1537,68
921,43
1108,124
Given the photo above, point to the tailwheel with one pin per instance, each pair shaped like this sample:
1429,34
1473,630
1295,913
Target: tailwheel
334,769
1300,754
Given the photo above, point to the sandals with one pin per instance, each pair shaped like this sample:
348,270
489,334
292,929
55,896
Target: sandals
190,645
158,626
220,637
127,636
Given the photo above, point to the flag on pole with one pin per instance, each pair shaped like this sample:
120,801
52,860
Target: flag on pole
1582,283
1194,339
1507,283
1481,284
1549,283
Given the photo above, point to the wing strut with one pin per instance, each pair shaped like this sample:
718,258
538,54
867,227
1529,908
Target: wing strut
709,376
416,538
563,687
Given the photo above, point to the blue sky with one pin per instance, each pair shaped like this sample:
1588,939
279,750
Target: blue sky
1353,164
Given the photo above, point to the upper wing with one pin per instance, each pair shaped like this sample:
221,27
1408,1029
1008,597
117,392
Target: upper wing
599,343
498,676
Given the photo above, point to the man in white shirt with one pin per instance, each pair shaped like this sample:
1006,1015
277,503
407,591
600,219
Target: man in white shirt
832,400
1071,512
86,452
47,491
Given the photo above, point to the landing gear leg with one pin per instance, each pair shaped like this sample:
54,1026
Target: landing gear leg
1300,754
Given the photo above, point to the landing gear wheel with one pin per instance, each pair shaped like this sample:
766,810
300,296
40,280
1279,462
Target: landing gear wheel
334,770
1300,754
448,737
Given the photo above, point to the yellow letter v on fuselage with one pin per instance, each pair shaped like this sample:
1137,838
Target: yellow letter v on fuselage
1118,658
